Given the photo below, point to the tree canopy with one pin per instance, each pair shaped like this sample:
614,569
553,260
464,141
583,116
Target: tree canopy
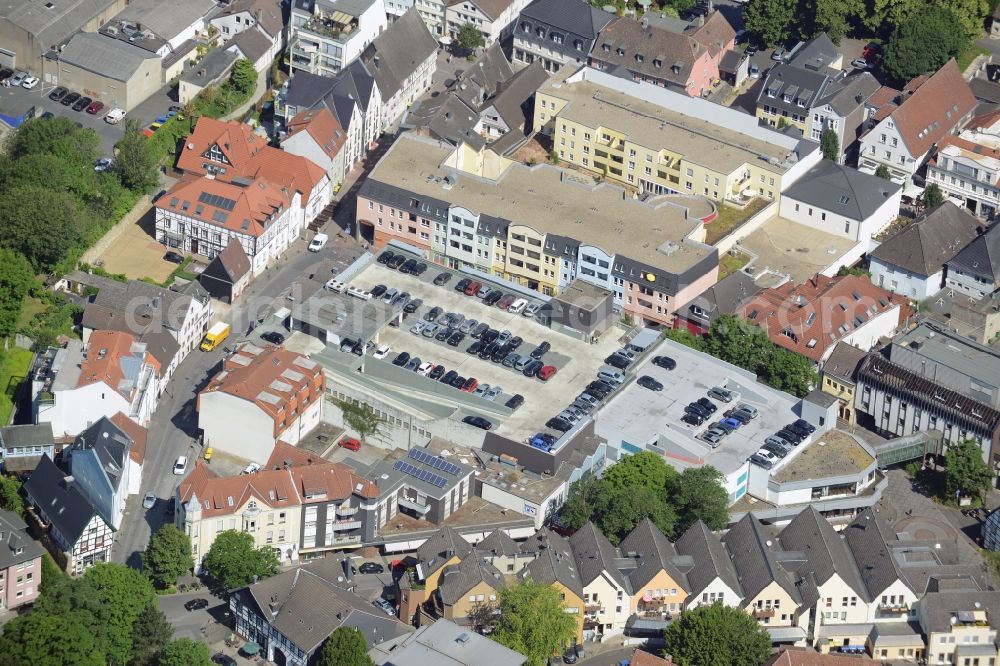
923,43
933,196
233,561
243,76
829,144
532,621
10,489
16,279
965,471
168,556
124,593
150,633
469,37
882,171
717,635
345,647
136,162
184,652
361,418
770,21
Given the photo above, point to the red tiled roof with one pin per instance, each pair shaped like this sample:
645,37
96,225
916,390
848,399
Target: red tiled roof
812,317
801,657
247,210
102,361
136,432
322,126
984,121
884,95
934,109
640,658
236,141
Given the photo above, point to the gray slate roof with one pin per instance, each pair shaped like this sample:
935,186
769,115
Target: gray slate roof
105,56
654,553
869,548
937,608
828,184
726,295
844,361
816,54
757,560
499,543
786,81
214,65
710,559
595,555
440,547
252,43
445,643
553,561
826,552
166,19
931,241
981,257
847,94
573,16
111,446
229,265
398,51
512,102
458,579
27,435
15,544
60,501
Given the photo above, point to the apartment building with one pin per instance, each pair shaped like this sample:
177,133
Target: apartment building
967,167
106,468
660,141
975,270
552,564
514,224
261,395
558,33
961,627
842,108
20,563
403,60
111,373
659,585
493,18
255,27
839,377
317,135
325,36
605,588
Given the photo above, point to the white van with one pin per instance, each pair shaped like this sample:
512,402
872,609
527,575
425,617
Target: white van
114,116
180,465
517,307
359,293
318,241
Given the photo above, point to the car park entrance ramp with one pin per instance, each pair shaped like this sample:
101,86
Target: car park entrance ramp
904,449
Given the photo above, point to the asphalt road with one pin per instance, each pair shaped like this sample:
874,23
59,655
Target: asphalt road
188,624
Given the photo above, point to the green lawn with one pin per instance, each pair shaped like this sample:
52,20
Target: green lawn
31,307
966,58
729,218
728,264
14,367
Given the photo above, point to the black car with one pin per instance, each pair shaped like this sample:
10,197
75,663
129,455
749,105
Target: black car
419,269
798,430
475,347
70,98
385,257
478,421
597,392
742,417
456,339
751,50
396,262
462,284
196,604
499,354
695,408
5,74
442,279
433,313
489,335
273,337
493,297
174,257
444,334
510,360
401,299
707,404
378,290
665,362
359,348
558,423
223,659
58,94
436,373
515,401
458,382
617,361
82,103
540,350
648,382
479,329
371,568
693,419
408,266
402,358
775,449
532,368
515,342
449,377
412,306
802,424
789,436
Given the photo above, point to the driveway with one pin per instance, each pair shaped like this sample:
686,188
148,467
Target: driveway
191,624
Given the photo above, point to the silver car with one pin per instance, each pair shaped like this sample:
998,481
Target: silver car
149,500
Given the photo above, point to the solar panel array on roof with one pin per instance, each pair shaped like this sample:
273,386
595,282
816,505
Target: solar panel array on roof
423,475
435,462
217,201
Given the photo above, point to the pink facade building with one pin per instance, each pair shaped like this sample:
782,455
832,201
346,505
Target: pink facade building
20,563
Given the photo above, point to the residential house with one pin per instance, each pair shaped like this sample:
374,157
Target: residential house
842,108
500,550
975,270
261,395
504,226
468,589
325,36
254,27
792,656
660,141
912,262
20,563
606,590
788,95
960,627
842,201
101,464
22,446
723,297
290,615
553,564
659,586
229,274
810,318
316,134
967,167
686,62
403,60
903,140
712,577
444,642
111,373
558,33
493,18
892,599
61,508
839,377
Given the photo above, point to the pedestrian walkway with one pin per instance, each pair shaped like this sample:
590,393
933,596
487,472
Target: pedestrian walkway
258,92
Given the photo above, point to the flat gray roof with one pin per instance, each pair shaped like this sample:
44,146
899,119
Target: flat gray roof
166,19
343,315
942,346
105,56
445,644
582,294
548,200
52,25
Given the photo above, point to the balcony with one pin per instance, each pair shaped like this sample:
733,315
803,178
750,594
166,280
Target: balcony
763,613
344,541
893,609
592,608
338,26
344,510
340,525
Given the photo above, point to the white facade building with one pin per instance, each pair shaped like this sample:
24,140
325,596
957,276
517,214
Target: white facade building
494,19
325,36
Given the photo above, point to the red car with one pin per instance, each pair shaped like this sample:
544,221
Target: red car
350,444
546,372
472,288
470,385
95,107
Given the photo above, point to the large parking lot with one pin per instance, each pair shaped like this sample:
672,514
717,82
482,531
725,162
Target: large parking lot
576,361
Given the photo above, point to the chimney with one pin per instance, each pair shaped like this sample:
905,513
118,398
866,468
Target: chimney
273,605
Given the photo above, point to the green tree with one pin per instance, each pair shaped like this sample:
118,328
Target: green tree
41,223
933,197
136,161
233,561
969,13
618,510
834,17
10,493
829,144
59,137
717,635
469,37
124,593
965,471
362,419
698,494
790,372
150,633
579,505
532,621
923,43
684,337
41,638
184,652
16,279
641,470
770,21
243,76
345,647
168,556
882,171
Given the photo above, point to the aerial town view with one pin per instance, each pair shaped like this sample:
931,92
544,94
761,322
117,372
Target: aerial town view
499,332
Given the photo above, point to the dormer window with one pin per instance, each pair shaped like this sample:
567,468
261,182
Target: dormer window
657,63
621,51
578,44
639,57
540,31
526,27
606,47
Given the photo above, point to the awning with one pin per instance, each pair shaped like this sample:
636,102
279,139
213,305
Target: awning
419,508
251,648
912,191
341,17
786,634
445,39
646,598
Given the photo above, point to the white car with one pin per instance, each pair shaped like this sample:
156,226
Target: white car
251,468
114,116
30,82
318,242
103,164
381,352
180,465
425,368
768,456
418,327
335,285
531,309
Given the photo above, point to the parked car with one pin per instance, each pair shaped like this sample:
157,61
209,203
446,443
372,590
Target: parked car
665,362
713,436
105,164
617,361
443,334
531,310
648,382
149,500
742,417
695,408
494,393
693,419
449,377
456,339
430,330
761,461
462,284
419,269
385,257
774,449
470,385
790,436
223,659
511,360
506,301
721,394
413,305
57,93
442,279
707,404
385,606
378,290
541,350
532,368
82,103
780,444
402,358
18,79
802,424
731,422
478,422
408,266
468,325
472,288
779,54
479,329
433,313
860,63
558,423
514,401
273,337
180,465
350,444
481,390
195,604
371,568
436,373
754,71
801,432
493,297
726,424
418,327
546,372
396,262
69,99
318,242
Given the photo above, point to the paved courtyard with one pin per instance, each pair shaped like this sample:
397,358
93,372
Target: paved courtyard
137,254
